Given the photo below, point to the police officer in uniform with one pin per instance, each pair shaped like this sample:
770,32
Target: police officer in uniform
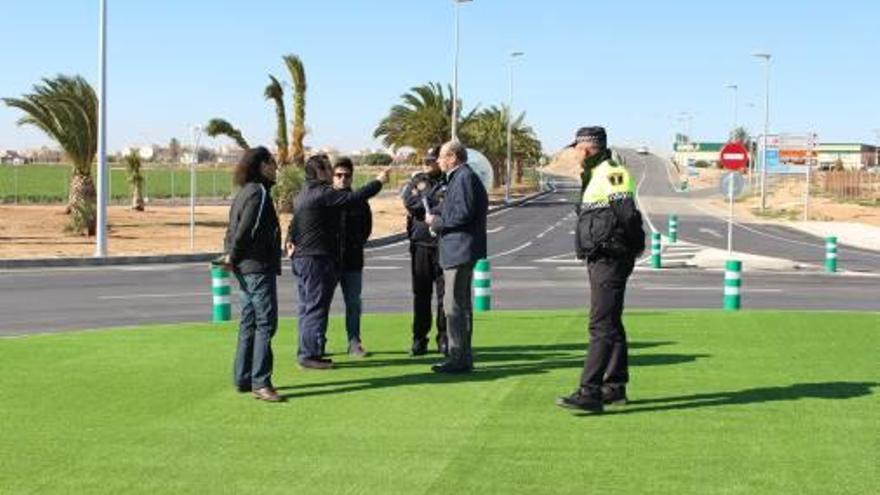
609,237
428,187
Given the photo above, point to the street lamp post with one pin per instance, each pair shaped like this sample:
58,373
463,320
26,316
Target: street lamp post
687,118
101,217
735,89
513,56
455,73
766,58
197,134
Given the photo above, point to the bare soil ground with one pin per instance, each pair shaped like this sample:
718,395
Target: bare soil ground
785,201
37,231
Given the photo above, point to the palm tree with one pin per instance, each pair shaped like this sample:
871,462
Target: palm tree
298,75
740,135
275,92
136,180
66,109
487,132
221,127
422,120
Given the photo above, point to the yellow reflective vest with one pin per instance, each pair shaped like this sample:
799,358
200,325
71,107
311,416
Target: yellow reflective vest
608,181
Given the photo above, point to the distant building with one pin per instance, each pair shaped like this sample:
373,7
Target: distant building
698,152
853,156
12,157
44,154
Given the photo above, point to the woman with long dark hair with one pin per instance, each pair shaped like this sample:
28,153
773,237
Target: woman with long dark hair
253,254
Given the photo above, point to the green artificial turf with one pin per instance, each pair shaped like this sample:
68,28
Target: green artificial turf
745,403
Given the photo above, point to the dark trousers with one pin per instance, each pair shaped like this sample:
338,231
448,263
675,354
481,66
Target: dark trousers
607,359
458,303
259,321
351,282
427,279
315,282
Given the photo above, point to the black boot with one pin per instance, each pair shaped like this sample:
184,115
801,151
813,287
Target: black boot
581,401
614,395
419,347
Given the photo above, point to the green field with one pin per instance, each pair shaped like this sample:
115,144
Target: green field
50,183
747,403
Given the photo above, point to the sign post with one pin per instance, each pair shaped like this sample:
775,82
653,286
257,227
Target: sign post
734,157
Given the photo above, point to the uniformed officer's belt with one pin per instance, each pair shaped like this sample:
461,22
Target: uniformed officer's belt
594,205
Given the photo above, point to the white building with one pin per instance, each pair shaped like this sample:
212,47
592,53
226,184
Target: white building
853,156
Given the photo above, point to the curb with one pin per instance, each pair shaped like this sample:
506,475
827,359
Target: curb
195,257
108,261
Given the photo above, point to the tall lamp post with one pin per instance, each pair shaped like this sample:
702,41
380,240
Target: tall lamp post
735,89
513,56
687,118
101,217
455,72
766,58
197,134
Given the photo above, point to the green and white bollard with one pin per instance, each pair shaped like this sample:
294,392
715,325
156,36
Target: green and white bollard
732,285
655,250
482,286
673,229
220,290
831,254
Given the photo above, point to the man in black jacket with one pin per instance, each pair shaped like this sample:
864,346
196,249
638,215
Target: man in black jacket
313,242
355,227
461,225
425,187
253,252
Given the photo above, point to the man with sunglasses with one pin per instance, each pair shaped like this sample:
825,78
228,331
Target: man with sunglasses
355,227
425,188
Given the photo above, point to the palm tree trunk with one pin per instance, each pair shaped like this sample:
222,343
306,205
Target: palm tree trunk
82,192
519,171
137,197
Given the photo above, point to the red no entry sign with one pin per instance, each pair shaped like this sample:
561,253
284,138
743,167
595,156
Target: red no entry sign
734,156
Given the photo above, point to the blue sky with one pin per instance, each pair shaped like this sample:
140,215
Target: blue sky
628,65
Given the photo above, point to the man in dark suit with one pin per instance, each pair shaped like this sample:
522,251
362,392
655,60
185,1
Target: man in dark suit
461,225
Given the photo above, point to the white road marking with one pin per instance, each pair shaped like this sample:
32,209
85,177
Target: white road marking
714,233
205,294
511,251
514,267
495,230
699,289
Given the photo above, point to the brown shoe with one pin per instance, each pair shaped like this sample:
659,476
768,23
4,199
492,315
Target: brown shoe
267,394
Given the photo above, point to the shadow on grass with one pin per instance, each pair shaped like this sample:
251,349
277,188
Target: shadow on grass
493,363
798,391
495,354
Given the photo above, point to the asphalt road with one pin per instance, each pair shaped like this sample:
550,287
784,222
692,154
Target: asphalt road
531,251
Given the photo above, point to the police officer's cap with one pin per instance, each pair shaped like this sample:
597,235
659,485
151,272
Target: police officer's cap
593,134
432,154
